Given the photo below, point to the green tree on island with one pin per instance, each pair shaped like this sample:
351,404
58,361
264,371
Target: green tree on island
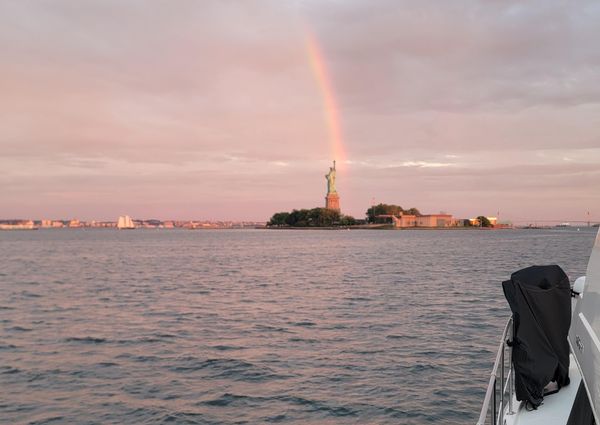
347,220
385,209
298,218
316,217
323,217
484,222
412,211
279,219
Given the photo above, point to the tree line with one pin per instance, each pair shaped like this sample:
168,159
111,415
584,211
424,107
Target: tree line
324,217
316,217
389,209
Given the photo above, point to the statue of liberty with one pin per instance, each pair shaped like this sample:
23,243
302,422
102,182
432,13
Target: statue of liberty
331,179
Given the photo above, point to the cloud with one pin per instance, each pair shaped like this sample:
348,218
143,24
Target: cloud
466,56
213,105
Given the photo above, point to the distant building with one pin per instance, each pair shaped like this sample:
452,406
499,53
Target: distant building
17,225
403,221
435,220
406,220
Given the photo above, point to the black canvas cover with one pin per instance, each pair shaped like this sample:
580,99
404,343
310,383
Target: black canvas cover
540,300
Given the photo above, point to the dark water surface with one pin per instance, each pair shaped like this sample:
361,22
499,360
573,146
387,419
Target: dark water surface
236,327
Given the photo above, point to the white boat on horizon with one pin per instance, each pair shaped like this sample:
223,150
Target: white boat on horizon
125,223
572,395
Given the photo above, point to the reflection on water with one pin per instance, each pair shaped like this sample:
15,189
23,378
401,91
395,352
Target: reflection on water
328,327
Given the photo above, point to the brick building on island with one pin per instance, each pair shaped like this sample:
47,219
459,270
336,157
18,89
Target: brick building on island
405,221
402,221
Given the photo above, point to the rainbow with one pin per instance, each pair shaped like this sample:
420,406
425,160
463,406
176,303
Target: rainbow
330,107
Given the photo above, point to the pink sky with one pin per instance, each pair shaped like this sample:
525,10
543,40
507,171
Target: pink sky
210,110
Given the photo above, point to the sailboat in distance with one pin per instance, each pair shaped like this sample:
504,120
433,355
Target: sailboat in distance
125,222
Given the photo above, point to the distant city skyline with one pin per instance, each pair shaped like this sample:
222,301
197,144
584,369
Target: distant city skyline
224,110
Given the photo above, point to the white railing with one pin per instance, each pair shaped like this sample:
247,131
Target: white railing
492,411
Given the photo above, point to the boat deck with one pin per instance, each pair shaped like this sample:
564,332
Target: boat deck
554,410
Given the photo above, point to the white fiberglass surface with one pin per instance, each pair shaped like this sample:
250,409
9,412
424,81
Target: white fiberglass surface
585,328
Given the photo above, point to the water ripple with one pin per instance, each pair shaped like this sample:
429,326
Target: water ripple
258,326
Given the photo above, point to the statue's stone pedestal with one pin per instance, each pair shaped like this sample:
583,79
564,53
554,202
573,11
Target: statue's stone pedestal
332,201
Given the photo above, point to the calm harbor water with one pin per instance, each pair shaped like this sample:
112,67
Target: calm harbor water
258,326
